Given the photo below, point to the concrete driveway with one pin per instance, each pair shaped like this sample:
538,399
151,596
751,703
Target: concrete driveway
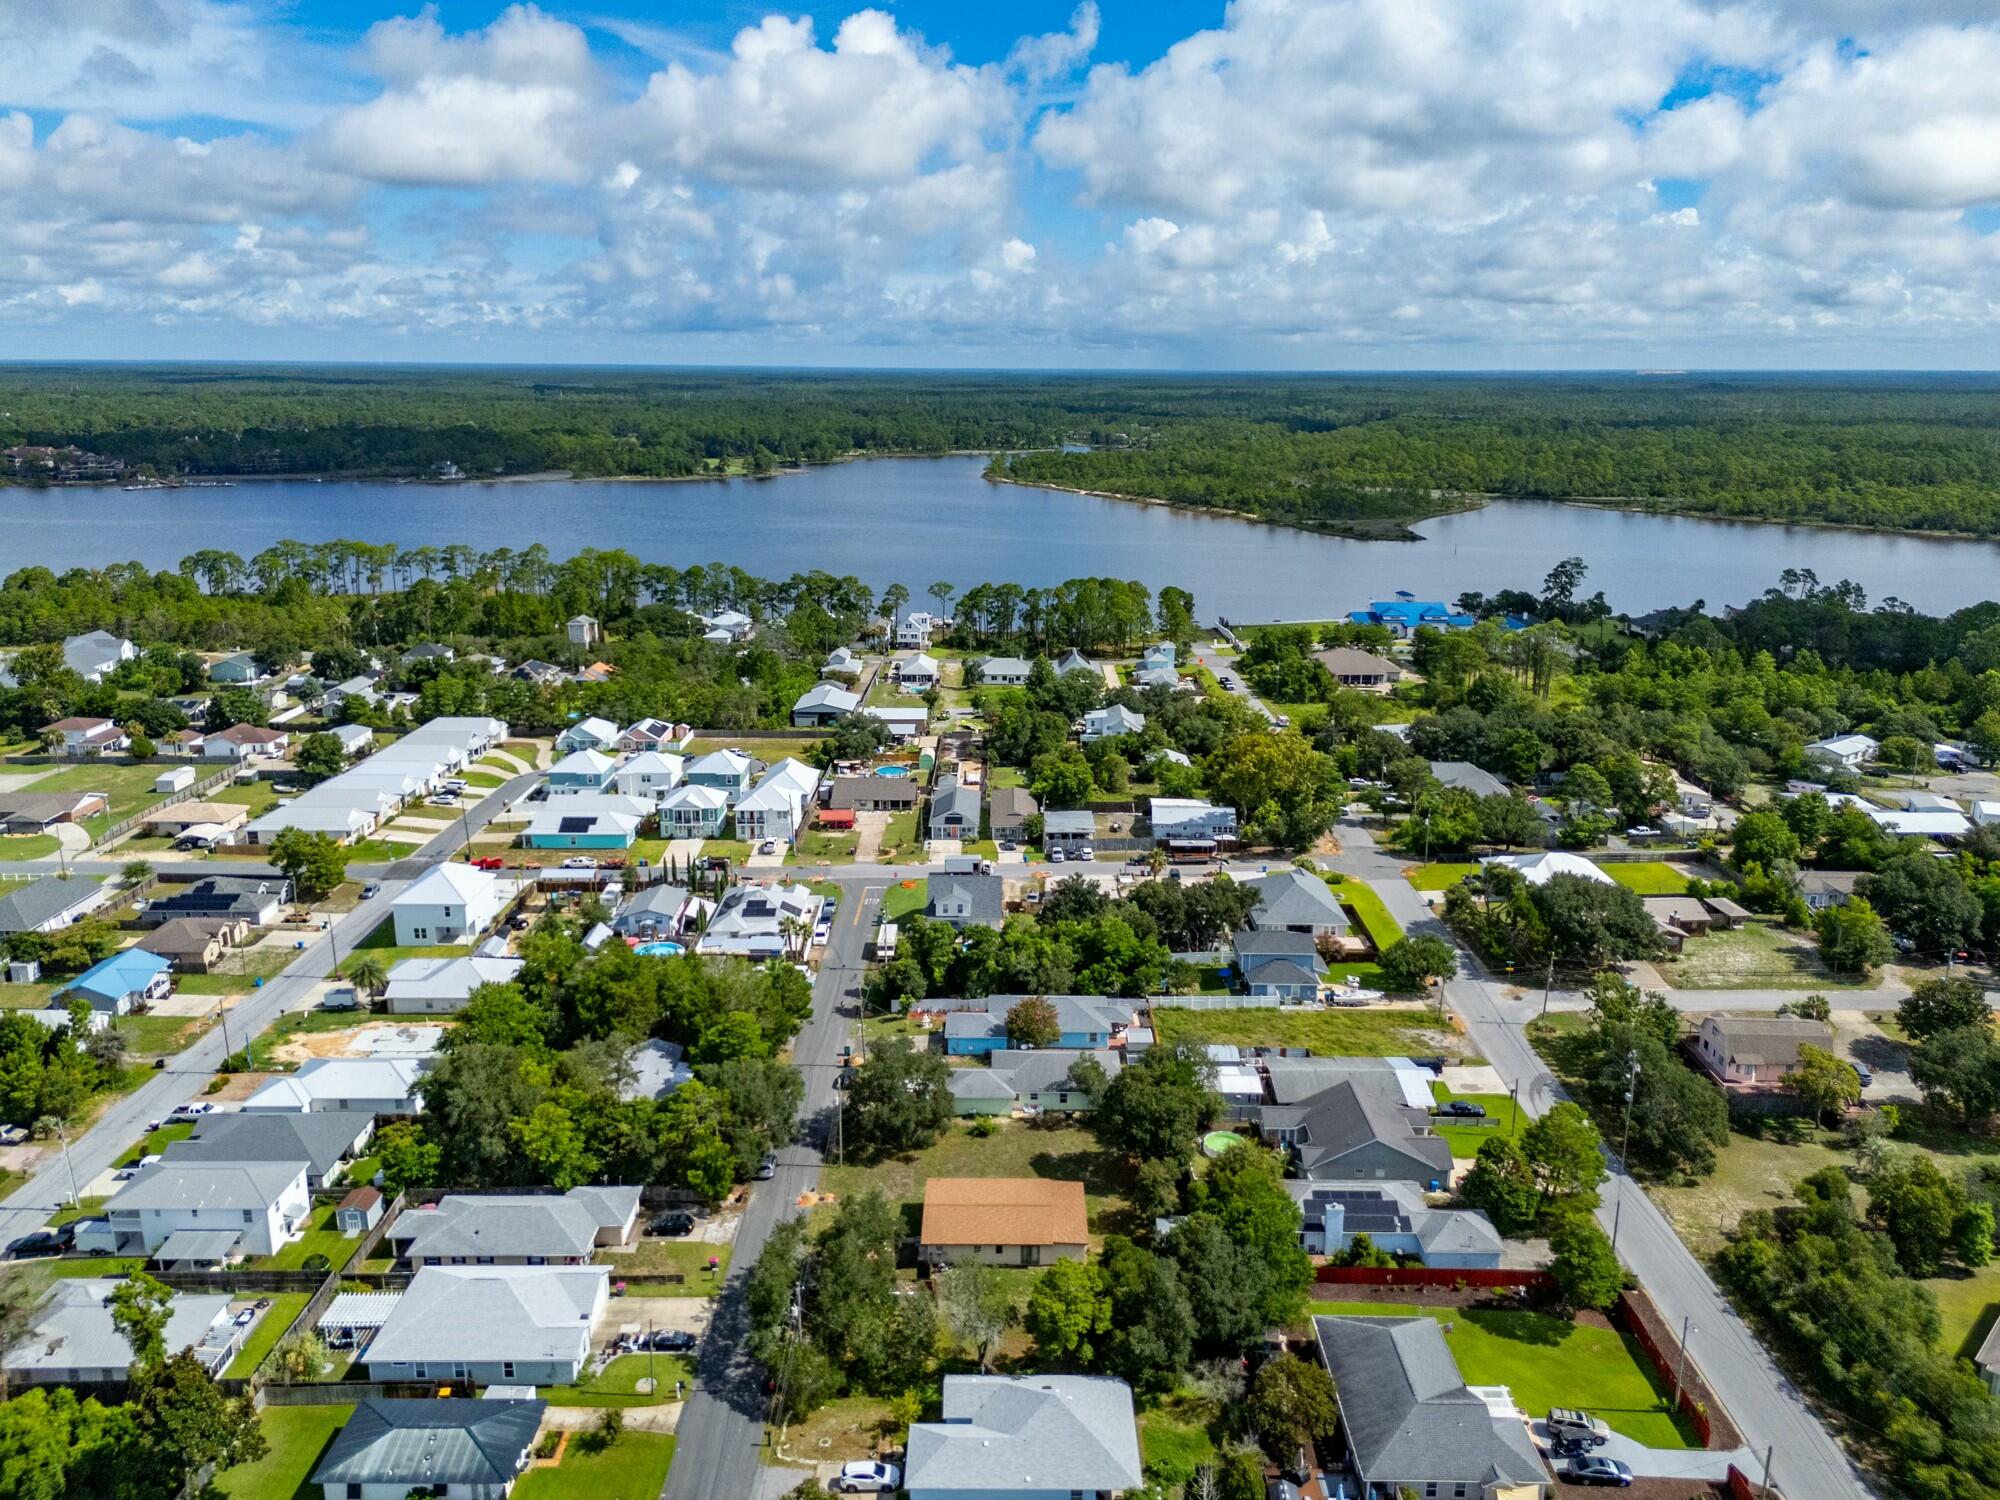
1660,1463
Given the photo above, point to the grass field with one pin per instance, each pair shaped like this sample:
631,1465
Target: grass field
1649,877
1438,877
1328,1033
633,1468
129,788
1467,1139
27,996
657,1257
157,1140
297,1436
816,844
617,1384
272,1326
1174,1435
904,897
28,846
1383,930
256,796
162,1036
319,1238
901,834
1548,1361
799,747
1758,955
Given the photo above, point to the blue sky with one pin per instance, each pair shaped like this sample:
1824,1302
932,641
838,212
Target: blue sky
1341,184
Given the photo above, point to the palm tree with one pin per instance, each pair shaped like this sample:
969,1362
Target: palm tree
366,973
1156,861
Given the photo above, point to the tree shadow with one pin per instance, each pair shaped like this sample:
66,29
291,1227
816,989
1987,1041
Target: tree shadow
1519,1325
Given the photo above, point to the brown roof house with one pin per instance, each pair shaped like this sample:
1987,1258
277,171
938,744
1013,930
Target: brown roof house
1359,669
1748,1051
1009,809
194,945
1003,1221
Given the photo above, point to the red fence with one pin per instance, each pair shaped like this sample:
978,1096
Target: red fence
1431,1276
1741,1487
1636,1315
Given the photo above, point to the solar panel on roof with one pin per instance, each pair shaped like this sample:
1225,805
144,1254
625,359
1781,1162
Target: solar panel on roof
576,825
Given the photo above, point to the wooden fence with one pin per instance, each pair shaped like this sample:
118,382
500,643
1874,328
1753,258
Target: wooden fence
1539,1281
201,787
1634,1313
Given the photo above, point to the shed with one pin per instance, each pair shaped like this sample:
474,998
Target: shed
359,1212
174,779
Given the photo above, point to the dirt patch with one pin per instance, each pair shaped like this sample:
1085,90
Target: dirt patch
237,1087
306,1045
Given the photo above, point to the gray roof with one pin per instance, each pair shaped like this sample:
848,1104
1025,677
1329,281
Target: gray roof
473,1224
208,1184
1296,898
1296,1079
1035,1072
1029,1434
223,893
1464,775
655,904
73,1329
431,1442
953,796
1012,804
851,791
1353,1114
1003,666
1275,956
984,895
979,1083
1407,1413
1074,823
1073,1012
318,1139
1768,1039
484,1313
196,1244
26,907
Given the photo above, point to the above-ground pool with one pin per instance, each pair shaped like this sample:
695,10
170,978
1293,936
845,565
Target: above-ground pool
1216,1141
892,770
659,950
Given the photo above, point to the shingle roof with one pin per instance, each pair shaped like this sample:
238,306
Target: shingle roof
1296,898
26,907
1768,1039
475,1313
983,895
73,1328
208,1184
318,1139
1033,1434
1464,775
472,1224
1350,1115
431,1442
1003,1211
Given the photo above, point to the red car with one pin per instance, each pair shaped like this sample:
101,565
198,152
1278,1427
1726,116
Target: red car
490,862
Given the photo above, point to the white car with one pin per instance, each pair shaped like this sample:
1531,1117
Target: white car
192,1111
867,1476
579,862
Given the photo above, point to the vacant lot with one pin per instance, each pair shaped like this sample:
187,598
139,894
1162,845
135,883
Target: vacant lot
833,845
1549,1361
1328,1033
1759,955
28,846
1649,877
130,789
1438,877
617,1384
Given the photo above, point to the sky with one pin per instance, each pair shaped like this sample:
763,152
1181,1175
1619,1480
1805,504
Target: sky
1120,184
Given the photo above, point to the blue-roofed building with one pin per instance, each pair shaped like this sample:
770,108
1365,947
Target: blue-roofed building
121,983
1404,616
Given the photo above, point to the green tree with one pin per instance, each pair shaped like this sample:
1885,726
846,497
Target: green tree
315,863
1584,1265
140,1308
554,1145
1824,1083
1060,778
1290,1405
367,973
1678,1118
136,872
1920,1209
300,1356
1068,1312
1959,1071
1852,939
1411,963
1763,839
1502,1184
1924,900
900,1100
1152,1320
319,756
1226,1283
185,1423
1940,1003
408,1157
1156,1190
976,1305
1156,1107
1562,1150
1032,1022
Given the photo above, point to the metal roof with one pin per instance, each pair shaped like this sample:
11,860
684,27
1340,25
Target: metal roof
421,1443
1031,1434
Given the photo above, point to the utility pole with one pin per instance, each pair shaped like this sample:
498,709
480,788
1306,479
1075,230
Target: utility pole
62,1134
1765,1487
1624,1143
1549,985
1680,1365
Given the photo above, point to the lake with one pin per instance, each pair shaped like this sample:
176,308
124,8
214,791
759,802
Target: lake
916,520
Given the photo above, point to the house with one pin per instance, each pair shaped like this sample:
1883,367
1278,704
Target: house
954,809
323,1140
238,667
528,1229
241,742
1354,668
262,1205
1037,1081
258,901
47,905
456,1447
1824,888
1159,654
373,1085
580,773
658,1068
1002,671
1106,723
761,921
727,771
1189,824
1410,1424
585,821
359,1212
512,1325
429,651
966,900
914,629
1297,901
1156,677
83,737
1923,824
96,653
540,673
873,793
37,812
582,630
903,724
180,817
693,812
1002,1221
728,625
441,986
1743,1050
1850,750
1403,616
353,690
1086,1023
1397,1218
1467,777
650,734
1359,1129
1540,869
1074,660
824,705
1985,813
72,1340
1678,918
448,903
655,912
195,945
841,662
124,982
917,674
1278,964
587,734
649,775
1009,809
1026,1437
1067,831
775,808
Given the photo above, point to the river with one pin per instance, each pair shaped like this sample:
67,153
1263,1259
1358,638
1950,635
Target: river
917,520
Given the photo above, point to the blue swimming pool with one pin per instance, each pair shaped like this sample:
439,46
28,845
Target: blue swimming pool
892,770
659,950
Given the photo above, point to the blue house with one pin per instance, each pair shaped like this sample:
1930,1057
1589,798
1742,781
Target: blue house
1404,616
123,982
726,771
581,772
1088,1022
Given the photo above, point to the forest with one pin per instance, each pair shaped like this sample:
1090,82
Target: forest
1354,454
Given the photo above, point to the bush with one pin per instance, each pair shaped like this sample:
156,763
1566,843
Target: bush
982,1126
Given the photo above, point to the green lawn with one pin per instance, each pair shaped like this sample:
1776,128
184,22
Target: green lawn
633,1468
1328,1033
1173,1439
273,1325
320,1238
901,834
256,796
1757,955
28,846
1649,877
1548,1361
380,851
1967,1303
297,1435
1467,1139
1438,877
1382,929
905,897
161,1036
617,1384
833,844
798,747
130,788
157,1140
27,996
652,1258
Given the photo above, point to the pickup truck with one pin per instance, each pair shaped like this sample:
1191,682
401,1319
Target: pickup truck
489,862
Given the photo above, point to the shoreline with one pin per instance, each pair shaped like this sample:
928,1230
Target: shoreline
1386,531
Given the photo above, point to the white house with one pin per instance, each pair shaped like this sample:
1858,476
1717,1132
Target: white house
74,1342
649,775
449,903
1540,869
1851,750
261,1204
582,630
1105,723
492,1325
914,630
728,625
439,986
82,737
919,673
588,734
95,653
1190,821
761,921
776,807
373,1085
1004,671
1026,1437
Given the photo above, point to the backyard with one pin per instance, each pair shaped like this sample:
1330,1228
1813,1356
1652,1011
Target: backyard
297,1436
1649,877
1326,1033
275,1321
1367,909
1549,1361
320,1238
617,1384
1760,954
633,1468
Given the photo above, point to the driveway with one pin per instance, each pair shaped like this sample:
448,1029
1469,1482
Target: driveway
868,830
1663,1463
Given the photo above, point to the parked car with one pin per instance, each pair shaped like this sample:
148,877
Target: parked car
768,1167
769,846
1465,1109
1568,1422
1086,853
674,1341
677,1223
1595,1468
1862,1072
371,890
1055,856
41,1242
579,862
489,862
867,1476
192,1111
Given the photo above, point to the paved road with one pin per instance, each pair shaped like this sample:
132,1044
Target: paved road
1224,667
124,1120
1768,1409
720,1439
